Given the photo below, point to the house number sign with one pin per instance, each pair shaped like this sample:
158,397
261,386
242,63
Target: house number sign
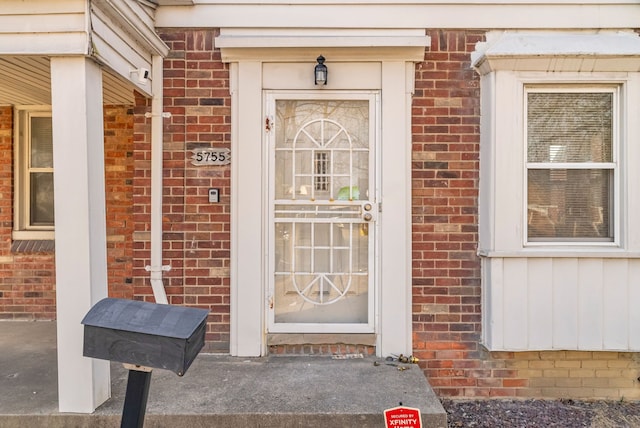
209,156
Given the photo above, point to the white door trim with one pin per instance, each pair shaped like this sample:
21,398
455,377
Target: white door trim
395,80
373,97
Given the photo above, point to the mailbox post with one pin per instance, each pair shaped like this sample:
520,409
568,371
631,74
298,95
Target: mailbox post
135,399
143,336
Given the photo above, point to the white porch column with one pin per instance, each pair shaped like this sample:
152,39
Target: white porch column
247,298
395,241
80,226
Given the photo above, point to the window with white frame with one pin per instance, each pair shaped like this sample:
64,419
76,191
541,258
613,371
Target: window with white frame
33,195
559,237
570,163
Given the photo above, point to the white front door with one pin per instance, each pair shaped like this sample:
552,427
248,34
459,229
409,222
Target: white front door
323,211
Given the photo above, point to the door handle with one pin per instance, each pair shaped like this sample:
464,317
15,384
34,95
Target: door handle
367,211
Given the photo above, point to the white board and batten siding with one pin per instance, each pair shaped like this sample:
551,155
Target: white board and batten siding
561,303
555,295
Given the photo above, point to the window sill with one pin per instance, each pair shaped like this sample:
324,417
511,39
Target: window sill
568,252
33,235
33,246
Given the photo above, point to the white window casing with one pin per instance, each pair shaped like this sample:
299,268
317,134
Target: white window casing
557,294
572,180
25,225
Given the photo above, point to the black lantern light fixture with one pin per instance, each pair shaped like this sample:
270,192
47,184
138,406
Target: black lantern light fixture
320,72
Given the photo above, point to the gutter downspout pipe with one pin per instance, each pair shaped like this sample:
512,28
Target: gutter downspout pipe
157,115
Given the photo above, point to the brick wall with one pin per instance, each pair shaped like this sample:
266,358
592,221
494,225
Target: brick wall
196,232
27,277
141,200
445,162
27,289
446,270
577,374
118,147
6,178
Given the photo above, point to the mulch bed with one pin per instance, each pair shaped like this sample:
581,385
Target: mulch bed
564,413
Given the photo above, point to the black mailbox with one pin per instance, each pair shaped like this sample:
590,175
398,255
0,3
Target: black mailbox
144,334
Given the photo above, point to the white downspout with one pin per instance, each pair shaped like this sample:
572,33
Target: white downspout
157,115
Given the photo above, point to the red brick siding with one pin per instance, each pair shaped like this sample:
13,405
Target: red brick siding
6,178
27,288
118,146
141,200
196,233
322,350
445,167
27,280
446,270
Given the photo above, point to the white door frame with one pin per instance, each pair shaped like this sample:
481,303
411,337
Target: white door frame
373,97
253,70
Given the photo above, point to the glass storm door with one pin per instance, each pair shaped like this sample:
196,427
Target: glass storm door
323,211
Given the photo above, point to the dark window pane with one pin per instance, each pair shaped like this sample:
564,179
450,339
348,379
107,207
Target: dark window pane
41,143
41,199
569,127
571,204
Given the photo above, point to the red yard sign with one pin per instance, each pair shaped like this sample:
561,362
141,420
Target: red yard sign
405,417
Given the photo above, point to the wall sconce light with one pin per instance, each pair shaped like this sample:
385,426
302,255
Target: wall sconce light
321,72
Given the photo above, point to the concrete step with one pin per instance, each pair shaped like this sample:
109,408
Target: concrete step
223,391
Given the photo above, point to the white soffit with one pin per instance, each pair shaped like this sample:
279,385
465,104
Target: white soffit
558,51
273,44
26,80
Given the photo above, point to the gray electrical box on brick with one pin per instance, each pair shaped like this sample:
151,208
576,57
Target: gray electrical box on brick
214,196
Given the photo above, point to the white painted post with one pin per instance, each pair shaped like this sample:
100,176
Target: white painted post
395,254
80,226
247,291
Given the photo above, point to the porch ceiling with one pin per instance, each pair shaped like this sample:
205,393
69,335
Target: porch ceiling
26,80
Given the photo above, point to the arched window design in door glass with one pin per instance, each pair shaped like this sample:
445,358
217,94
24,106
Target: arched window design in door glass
321,181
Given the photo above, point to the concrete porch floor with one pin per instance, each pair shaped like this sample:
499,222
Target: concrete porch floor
216,391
